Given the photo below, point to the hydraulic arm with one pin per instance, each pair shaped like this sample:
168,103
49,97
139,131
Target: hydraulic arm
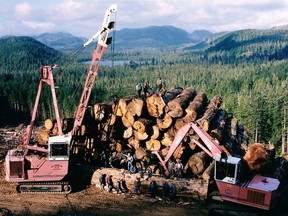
103,42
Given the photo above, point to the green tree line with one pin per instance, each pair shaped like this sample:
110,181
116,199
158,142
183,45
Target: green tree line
254,89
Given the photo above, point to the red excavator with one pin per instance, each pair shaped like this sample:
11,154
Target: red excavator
44,168
258,191
30,165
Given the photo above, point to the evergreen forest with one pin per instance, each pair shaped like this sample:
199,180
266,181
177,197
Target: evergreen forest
247,68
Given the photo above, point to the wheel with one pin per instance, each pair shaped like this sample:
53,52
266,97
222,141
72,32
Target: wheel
67,188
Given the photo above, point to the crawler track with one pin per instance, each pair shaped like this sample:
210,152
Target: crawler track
44,187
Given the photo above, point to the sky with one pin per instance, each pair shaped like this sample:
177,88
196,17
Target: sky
84,17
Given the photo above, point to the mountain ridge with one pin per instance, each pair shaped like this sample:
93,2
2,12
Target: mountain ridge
128,38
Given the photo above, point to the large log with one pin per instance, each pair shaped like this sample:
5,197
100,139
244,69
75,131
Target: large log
168,137
153,145
164,122
197,106
216,102
43,136
143,125
140,136
180,122
210,113
179,151
122,105
164,151
155,105
112,119
256,157
135,106
134,143
102,110
48,123
192,144
198,162
171,94
155,132
55,129
127,119
176,107
128,133
195,188
219,123
140,153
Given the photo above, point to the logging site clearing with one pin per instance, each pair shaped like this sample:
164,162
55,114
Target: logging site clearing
87,199
165,152
159,129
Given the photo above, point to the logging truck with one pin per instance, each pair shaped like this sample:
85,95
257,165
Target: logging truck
257,191
38,168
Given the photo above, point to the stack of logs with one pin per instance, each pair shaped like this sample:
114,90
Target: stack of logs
143,124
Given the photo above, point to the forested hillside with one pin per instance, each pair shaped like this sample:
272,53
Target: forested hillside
245,45
20,54
248,69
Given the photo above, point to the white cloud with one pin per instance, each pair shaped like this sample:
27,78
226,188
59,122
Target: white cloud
39,25
84,17
69,10
23,10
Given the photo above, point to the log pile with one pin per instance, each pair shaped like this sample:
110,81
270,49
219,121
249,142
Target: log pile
140,125
151,124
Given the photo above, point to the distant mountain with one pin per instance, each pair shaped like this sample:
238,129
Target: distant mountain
61,41
208,42
156,37
25,53
200,35
149,37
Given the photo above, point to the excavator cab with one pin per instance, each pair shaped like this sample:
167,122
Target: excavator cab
58,147
227,169
257,191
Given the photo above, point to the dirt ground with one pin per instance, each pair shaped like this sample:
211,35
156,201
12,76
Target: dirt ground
86,199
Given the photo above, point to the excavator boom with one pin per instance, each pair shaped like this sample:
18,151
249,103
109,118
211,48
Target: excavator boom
98,52
213,148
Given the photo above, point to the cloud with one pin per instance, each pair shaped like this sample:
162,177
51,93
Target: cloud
23,10
69,10
39,25
84,18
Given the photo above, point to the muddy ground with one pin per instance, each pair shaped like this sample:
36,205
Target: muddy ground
86,199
